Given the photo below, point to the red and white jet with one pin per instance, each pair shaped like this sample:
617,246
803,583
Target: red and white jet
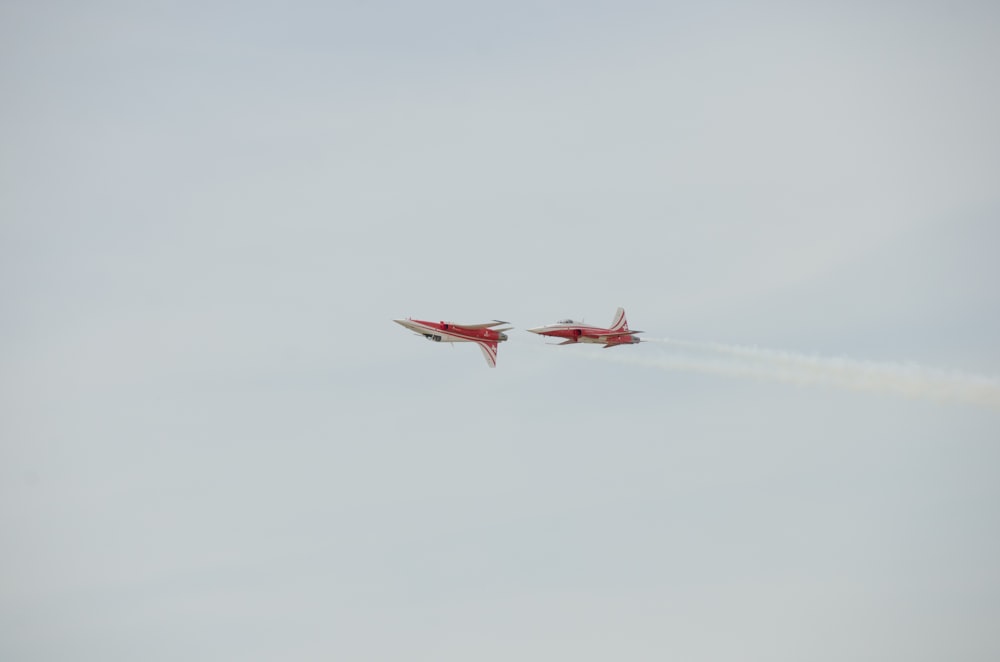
484,335
574,332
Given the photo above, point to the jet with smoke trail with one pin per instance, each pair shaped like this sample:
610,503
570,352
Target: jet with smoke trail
577,332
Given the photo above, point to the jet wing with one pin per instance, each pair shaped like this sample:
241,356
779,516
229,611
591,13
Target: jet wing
489,351
486,325
616,334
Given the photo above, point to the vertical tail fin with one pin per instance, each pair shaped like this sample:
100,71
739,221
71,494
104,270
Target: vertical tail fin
619,323
489,348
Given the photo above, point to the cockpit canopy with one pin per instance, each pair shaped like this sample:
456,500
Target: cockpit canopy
566,322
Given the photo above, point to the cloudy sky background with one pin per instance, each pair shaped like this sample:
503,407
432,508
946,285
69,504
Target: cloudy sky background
216,444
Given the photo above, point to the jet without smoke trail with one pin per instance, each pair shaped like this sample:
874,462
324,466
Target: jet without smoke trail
902,379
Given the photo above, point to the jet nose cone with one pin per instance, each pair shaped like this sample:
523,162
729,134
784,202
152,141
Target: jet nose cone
537,329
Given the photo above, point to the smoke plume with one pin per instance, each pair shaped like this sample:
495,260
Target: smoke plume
907,379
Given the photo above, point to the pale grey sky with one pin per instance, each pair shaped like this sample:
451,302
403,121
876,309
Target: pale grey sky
215,444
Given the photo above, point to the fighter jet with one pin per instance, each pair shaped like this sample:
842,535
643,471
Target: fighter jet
484,335
576,332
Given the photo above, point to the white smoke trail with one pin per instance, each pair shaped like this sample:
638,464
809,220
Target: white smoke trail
909,380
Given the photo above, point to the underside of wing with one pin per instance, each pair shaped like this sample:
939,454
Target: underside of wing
489,351
485,325
617,334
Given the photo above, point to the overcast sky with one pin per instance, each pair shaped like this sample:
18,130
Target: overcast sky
215,444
